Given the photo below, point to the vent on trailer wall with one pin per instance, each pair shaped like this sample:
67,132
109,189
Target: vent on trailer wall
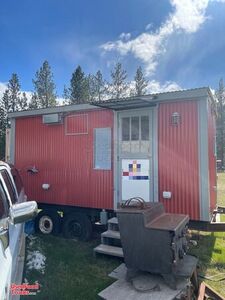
52,119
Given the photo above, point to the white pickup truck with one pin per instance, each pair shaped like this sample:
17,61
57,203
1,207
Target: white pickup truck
14,211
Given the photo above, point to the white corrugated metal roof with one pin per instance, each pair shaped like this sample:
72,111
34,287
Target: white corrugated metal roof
122,103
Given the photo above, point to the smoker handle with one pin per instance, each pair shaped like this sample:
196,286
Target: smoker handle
140,203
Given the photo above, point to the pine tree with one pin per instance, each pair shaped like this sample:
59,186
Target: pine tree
10,102
2,118
118,86
140,83
100,86
44,86
34,102
4,109
78,87
66,95
91,89
3,126
23,102
14,93
220,94
6,101
96,87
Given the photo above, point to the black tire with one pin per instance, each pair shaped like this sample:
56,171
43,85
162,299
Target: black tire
77,226
48,222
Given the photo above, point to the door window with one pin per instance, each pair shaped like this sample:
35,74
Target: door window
135,134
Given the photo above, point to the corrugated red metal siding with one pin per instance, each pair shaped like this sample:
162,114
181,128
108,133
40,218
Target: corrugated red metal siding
77,124
178,158
63,161
212,157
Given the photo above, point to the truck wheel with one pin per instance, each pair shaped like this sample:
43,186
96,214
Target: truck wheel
48,222
77,226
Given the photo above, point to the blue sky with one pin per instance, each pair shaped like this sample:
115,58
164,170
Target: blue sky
179,43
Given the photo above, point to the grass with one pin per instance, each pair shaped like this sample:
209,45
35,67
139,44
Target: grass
211,248
221,192
211,254
73,273
221,189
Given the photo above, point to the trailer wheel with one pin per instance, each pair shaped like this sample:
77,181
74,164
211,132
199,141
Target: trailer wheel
48,222
77,226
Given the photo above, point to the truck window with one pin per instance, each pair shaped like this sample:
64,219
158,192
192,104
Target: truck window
3,204
9,186
17,180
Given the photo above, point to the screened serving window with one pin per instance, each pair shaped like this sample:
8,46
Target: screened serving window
7,180
102,148
76,124
135,134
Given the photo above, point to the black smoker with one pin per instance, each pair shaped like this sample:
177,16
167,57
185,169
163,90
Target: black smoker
152,240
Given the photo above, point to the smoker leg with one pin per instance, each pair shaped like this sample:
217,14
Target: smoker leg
131,273
194,280
170,280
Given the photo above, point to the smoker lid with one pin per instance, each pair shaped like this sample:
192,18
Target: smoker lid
168,221
138,210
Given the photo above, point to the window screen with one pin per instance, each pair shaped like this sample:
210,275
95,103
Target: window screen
102,148
11,190
135,128
125,129
145,128
77,124
135,134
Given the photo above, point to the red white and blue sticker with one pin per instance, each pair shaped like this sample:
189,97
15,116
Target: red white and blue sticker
134,172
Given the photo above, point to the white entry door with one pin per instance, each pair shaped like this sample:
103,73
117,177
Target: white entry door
135,155
135,179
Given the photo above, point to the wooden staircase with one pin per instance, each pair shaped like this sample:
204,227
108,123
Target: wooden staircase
110,240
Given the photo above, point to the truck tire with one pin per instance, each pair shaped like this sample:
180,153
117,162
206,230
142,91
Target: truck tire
77,226
48,222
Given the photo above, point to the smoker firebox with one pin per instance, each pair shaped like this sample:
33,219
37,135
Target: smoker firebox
152,240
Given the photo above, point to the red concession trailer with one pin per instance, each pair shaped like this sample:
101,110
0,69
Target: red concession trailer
83,160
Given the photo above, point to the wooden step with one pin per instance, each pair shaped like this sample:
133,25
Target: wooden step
109,250
113,220
113,224
111,234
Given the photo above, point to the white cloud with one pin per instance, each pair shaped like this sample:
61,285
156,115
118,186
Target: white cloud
187,17
156,87
148,26
189,14
125,36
